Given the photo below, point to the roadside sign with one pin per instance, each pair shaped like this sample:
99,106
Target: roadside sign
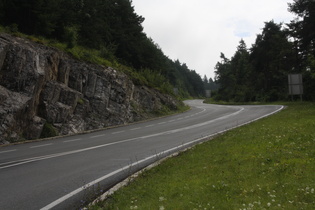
295,84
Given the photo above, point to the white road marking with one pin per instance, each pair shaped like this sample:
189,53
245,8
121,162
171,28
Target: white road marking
73,140
161,123
67,196
20,162
133,129
118,132
43,145
14,150
148,126
84,187
93,137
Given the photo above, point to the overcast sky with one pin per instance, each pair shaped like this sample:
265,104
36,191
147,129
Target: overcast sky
197,31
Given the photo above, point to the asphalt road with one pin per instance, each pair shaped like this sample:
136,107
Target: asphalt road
62,173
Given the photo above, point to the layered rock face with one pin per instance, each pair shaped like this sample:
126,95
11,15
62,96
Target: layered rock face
43,86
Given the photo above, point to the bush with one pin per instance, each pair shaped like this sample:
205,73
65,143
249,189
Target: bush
48,131
71,36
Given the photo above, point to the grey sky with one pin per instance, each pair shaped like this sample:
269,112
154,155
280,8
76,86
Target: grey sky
196,31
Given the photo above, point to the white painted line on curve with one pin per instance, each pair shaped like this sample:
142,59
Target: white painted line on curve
118,132
73,140
43,145
14,150
93,137
65,197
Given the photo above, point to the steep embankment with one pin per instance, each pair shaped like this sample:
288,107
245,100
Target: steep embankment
41,87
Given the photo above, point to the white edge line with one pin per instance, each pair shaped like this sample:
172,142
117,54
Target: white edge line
65,197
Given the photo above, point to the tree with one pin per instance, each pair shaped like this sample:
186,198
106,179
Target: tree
241,70
110,26
225,78
272,59
302,29
233,75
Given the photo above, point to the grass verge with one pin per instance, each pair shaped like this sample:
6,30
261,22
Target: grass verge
268,164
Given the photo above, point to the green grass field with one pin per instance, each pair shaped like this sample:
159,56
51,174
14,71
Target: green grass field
268,164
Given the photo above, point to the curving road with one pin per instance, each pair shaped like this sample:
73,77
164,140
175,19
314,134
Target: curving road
62,173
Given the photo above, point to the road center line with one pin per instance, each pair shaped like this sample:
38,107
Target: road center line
73,140
118,132
43,145
67,196
93,137
24,161
8,151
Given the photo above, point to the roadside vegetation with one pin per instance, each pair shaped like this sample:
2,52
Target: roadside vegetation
144,77
268,164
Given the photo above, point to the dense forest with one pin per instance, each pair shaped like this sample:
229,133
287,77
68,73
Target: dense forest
110,26
261,72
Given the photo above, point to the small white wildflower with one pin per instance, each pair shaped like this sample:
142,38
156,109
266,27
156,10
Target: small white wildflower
268,204
162,208
162,199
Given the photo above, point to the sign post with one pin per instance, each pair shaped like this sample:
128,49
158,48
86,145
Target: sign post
208,93
295,85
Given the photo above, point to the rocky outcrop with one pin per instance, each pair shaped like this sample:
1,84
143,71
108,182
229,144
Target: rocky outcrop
42,86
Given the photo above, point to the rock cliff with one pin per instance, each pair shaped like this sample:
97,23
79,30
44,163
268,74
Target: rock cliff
44,90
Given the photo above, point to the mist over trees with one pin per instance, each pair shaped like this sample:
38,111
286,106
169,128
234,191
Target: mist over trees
260,73
111,26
